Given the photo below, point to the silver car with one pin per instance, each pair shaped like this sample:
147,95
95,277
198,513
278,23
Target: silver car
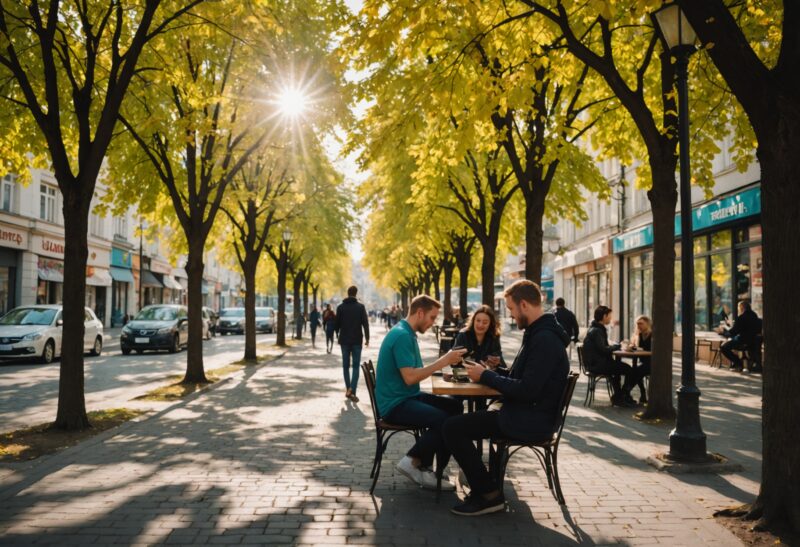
36,332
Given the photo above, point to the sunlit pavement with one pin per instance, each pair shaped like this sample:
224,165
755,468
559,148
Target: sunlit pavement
277,456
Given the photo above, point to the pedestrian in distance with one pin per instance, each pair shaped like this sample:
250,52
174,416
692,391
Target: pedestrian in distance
313,323
531,389
400,401
329,324
351,320
566,319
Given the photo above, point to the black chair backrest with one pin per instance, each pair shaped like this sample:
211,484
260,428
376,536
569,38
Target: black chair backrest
369,379
566,397
581,364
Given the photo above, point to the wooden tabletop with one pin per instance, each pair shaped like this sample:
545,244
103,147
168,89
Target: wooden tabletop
471,389
633,353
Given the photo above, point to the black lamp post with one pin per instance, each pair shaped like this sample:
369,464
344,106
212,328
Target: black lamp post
687,442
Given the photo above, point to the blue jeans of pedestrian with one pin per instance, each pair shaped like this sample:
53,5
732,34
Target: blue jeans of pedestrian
427,412
351,352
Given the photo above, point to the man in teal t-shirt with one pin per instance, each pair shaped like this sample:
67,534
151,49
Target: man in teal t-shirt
399,399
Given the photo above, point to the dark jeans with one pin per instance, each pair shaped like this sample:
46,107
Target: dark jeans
459,433
348,352
728,348
329,338
427,412
615,369
313,335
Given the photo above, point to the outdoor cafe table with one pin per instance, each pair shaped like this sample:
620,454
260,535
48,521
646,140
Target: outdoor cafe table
633,355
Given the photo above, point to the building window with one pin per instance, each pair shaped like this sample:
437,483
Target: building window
47,203
8,194
96,225
121,227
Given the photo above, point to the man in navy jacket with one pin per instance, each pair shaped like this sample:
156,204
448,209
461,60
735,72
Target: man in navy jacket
531,388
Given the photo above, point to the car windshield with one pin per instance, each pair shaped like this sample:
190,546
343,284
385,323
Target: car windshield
29,316
232,312
263,312
157,314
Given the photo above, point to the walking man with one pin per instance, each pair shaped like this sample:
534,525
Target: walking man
351,318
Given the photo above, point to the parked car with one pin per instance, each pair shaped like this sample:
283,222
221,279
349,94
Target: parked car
231,320
161,326
36,331
212,318
265,320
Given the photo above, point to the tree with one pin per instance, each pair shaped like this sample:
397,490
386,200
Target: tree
193,134
67,67
756,47
252,207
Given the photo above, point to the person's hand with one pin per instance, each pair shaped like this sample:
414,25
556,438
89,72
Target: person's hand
474,371
493,361
454,356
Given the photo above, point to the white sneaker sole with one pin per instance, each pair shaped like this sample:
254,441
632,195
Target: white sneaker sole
493,509
407,475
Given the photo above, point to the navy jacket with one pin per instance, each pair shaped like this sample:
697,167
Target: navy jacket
532,388
597,352
351,317
747,327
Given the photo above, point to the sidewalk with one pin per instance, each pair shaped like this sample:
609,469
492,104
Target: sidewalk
276,456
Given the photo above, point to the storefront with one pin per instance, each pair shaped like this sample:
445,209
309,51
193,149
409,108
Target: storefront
12,242
727,261
153,288
586,279
50,289
121,283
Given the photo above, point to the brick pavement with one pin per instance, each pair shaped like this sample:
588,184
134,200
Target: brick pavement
276,456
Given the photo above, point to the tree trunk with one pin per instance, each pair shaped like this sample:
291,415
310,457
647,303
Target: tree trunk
195,371
448,268
534,234
663,197
71,414
487,271
779,497
297,283
464,262
249,270
305,295
316,291
404,300
280,337
436,288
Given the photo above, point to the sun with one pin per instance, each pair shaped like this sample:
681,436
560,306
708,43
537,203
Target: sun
292,103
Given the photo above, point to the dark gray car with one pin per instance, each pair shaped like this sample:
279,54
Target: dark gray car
161,326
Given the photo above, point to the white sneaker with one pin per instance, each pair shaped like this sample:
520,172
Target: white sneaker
429,481
406,467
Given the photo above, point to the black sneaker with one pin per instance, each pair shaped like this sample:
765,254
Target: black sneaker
475,505
621,402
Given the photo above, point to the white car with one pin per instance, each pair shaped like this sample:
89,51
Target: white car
35,331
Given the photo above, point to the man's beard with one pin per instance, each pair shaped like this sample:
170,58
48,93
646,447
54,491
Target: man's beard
522,322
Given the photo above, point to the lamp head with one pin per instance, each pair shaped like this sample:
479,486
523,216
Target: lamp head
673,27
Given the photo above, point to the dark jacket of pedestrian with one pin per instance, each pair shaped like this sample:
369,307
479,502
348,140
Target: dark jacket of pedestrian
597,352
533,386
314,319
351,317
747,327
568,321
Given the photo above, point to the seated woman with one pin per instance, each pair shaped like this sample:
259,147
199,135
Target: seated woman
481,337
643,339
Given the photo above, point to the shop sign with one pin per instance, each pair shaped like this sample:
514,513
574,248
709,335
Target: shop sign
742,205
633,240
160,267
121,258
48,246
13,238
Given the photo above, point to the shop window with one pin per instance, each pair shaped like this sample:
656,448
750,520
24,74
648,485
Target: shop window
47,203
700,244
749,277
722,304
721,240
8,193
700,294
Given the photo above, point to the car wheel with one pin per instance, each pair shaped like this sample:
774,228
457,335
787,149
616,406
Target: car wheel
176,344
49,352
126,351
98,346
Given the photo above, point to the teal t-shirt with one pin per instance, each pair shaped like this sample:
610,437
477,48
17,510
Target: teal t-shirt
399,349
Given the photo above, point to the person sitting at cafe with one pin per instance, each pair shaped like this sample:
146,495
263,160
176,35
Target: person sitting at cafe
400,401
598,356
745,334
481,338
532,389
643,339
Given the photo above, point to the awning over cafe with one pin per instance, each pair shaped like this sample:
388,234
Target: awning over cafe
171,283
149,279
123,275
99,277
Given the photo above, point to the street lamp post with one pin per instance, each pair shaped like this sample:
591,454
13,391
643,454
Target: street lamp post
687,442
